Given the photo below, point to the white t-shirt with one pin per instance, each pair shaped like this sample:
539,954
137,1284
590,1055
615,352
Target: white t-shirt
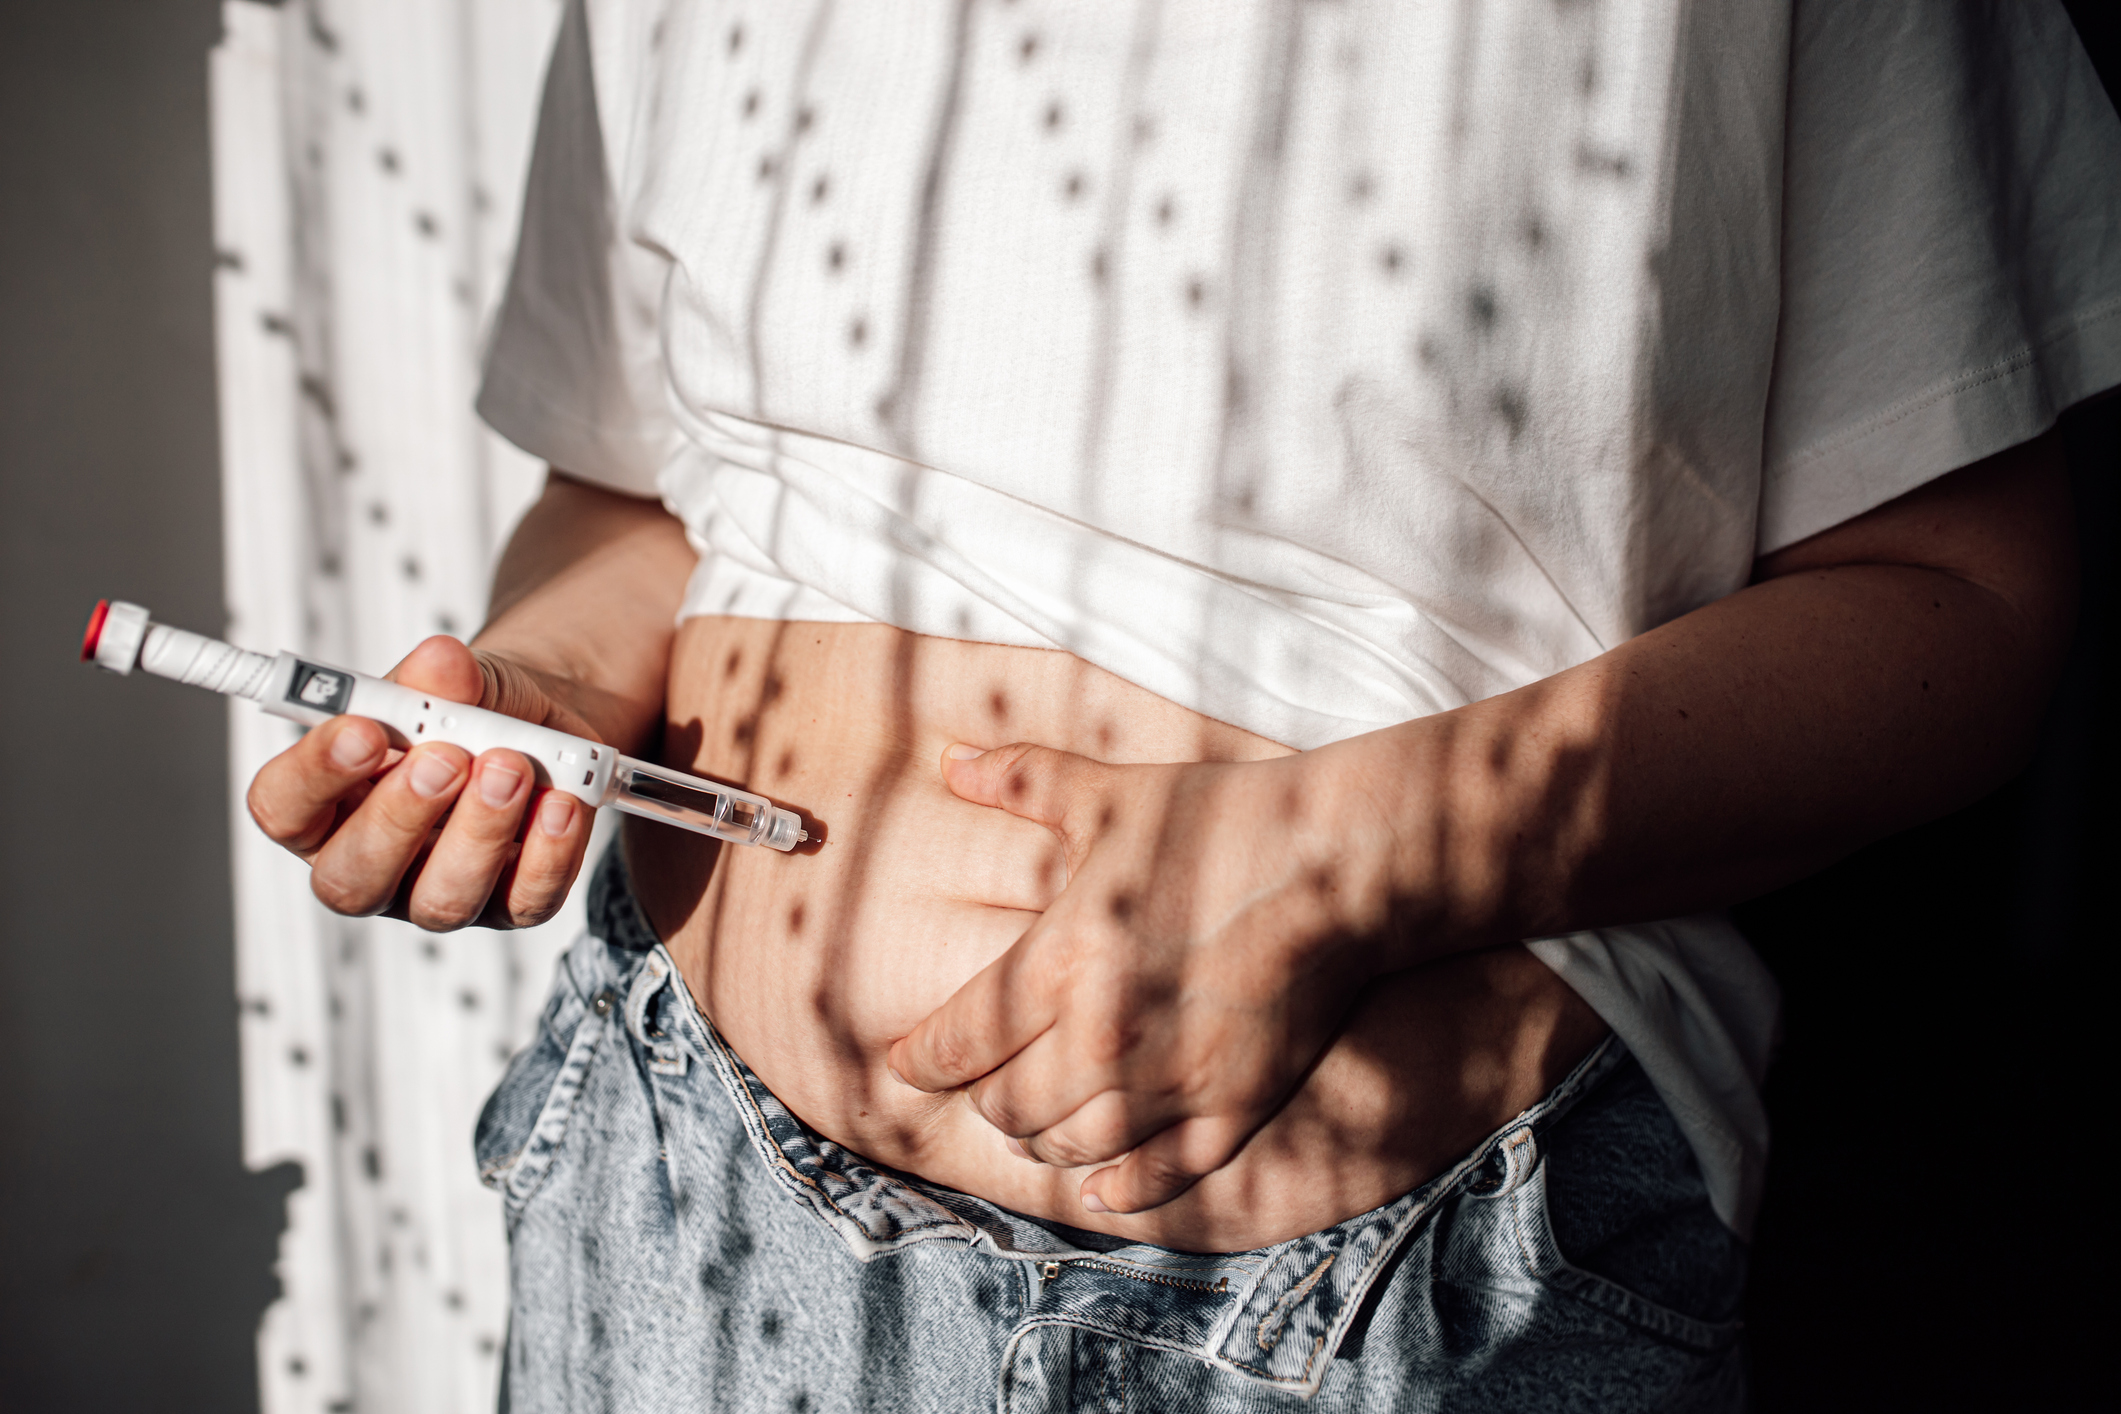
1316,367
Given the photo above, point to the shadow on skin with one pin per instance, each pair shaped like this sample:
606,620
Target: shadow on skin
811,967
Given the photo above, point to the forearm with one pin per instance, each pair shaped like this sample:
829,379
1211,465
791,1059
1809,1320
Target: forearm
586,597
1219,917
1847,694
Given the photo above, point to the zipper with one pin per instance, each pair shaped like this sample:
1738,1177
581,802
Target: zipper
1050,1270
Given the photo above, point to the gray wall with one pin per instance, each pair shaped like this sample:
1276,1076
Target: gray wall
135,1251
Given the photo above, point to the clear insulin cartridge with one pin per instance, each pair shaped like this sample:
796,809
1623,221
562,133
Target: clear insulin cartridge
121,637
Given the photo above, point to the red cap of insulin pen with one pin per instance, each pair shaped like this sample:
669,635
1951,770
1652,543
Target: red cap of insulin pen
95,631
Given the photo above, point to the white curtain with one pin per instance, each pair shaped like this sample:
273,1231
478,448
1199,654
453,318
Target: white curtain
368,158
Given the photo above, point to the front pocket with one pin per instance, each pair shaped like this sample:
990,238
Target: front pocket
525,1120
1543,1255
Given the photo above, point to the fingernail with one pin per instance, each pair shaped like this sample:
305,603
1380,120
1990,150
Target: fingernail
556,815
1019,1150
1093,1204
431,774
960,752
353,748
497,783
899,1078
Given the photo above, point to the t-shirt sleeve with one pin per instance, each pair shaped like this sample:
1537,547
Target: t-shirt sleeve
1951,256
574,369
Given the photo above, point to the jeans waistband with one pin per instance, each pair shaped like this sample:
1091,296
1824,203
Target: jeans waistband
1275,1314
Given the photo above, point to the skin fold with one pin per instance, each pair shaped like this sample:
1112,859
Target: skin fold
1078,950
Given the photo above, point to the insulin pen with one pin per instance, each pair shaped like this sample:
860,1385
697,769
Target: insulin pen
121,637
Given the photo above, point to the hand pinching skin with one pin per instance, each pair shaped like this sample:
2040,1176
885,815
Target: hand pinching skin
1166,1005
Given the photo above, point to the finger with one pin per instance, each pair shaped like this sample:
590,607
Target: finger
545,868
477,842
1035,782
511,689
1103,1128
986,1021
1050,1082
1164,1166
444,667
295,796
357,870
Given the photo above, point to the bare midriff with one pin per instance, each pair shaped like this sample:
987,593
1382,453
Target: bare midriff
811,964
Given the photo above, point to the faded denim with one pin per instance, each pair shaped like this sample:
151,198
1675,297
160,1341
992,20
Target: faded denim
681,1242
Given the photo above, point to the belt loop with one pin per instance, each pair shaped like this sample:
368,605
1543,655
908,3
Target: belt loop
1520,1155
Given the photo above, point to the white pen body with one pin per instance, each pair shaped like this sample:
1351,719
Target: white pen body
307,692
122,636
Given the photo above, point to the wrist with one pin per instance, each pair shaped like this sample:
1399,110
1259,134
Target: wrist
1368,856
1462,826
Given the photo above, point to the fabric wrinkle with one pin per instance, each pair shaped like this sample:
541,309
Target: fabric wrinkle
724,1182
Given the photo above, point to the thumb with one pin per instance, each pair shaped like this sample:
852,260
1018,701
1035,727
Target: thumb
1035,782
445,667
515,691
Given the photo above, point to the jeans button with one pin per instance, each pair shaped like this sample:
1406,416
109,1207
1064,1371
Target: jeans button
604,1002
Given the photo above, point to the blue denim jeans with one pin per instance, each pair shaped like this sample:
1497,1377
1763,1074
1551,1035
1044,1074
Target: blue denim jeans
680,1241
